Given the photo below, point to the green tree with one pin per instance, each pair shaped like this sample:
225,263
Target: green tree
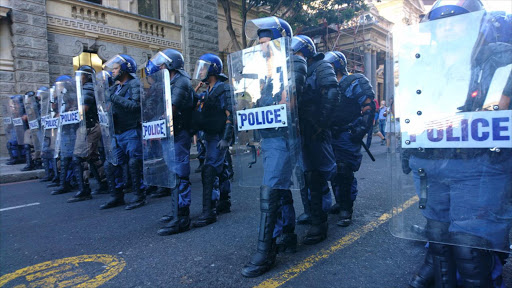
299,13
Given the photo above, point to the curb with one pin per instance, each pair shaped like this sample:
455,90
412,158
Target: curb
21,176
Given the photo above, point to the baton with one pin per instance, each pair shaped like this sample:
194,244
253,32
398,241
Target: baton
367,151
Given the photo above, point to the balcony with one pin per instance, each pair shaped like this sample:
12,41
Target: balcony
87,20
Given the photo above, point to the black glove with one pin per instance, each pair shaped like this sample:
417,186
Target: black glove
223,144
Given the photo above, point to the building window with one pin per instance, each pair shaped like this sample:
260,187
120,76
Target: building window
150,8
94,1
88,58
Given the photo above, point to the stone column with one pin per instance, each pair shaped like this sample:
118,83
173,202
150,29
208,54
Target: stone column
389,84
30,45
374,71
200,30
368,64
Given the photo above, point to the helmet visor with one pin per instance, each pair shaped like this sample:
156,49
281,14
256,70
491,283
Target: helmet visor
252,26
201,70
114,62
40,93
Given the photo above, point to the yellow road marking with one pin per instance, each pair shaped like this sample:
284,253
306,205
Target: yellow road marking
66,272
307,263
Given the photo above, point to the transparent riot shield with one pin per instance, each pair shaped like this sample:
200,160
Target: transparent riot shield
33,110
71,114
106,120
157,130
17,112
49,123
267,142
85,84
7,119
451,174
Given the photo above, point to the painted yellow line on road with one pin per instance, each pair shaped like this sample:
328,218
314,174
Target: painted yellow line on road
307,263
67,272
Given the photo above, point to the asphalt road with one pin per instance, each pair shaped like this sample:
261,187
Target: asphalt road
53,243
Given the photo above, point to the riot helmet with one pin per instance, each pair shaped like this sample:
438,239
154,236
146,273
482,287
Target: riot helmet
271,27
89,75
337,60
120,65
447,8
305,45
209,65
172,59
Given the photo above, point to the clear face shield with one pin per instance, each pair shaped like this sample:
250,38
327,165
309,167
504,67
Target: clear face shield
201,70
113,66
156,62
252,26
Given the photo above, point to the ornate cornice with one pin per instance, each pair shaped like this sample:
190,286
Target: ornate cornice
75,27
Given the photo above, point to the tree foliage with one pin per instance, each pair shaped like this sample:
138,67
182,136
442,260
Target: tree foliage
299,13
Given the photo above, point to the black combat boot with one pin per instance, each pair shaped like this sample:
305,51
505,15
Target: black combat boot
136,175
287,241
209,214
65,186
474,265
443,262
95,167
200,167
224,203
182,224
30,162
266,252
84,191
161,192
336,208
305,218
343,183
424,278
116,194
318,230
47,171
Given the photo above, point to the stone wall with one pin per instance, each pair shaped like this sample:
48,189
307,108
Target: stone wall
200,30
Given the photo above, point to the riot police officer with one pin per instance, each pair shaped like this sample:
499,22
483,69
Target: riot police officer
33,136
279,150
353,119
125,98
215,119
67,103
463,184
15,141
316,107
182,106
88,139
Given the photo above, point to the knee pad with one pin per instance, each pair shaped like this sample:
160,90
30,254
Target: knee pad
344,173
286,197
269,199
474,265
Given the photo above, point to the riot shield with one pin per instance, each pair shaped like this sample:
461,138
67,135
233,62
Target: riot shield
267,141
70,117
33,109
105,115
451,174
6,117
82,80
157,130
17,112
49,122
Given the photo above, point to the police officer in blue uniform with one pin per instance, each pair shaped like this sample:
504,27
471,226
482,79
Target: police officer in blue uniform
353,120
125,97
16,151
182,105
277,222
92,140
468,191
67,133
316,106
215,119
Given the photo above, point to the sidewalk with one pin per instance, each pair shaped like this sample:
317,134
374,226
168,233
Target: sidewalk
13,173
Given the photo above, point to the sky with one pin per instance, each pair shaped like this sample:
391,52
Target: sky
498,5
